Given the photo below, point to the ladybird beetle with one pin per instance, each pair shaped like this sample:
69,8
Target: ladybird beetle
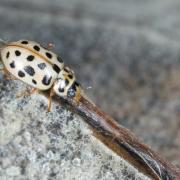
40,68
31,63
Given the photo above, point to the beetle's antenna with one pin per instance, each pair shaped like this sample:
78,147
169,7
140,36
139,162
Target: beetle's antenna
2,44
3,41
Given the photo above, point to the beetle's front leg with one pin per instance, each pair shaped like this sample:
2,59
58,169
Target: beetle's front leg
7,75
27,92
50,99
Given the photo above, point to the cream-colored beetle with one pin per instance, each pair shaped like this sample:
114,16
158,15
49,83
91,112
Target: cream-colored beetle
31,63
40,68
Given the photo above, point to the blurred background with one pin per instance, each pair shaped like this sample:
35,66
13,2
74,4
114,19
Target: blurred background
126,54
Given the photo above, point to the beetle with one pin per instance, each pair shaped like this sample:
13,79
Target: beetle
38,67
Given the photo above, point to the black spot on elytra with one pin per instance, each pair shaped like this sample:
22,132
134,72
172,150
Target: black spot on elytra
49,55
66,82
12,64
67,70
30,58
21,74
34,81
46,80
41,66
59,59
77,84
61,90
74,86
17,53
7,54
24,42
29,70
70,76
56,68
37,48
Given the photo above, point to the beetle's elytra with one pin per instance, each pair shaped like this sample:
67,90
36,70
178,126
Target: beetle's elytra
38,67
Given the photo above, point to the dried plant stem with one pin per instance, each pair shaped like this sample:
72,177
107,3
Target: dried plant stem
122,141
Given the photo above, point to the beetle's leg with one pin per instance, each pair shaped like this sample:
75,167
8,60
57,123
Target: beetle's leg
50,99
49,46
2,69
10,77
7,75
27,92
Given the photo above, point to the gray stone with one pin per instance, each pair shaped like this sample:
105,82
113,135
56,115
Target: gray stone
57,145
13,171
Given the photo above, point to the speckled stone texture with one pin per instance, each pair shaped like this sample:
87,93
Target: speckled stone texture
126,51
57,145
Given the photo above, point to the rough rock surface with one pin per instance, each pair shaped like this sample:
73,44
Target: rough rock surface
127,51
57,145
